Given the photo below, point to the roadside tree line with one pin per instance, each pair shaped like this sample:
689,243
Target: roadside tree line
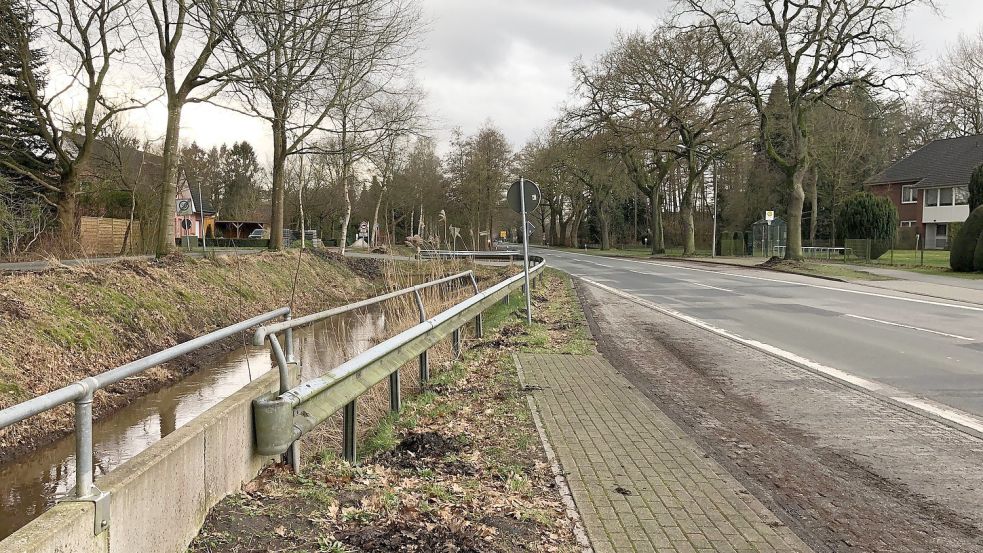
737,107
332,79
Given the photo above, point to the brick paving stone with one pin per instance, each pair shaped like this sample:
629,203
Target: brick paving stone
609,437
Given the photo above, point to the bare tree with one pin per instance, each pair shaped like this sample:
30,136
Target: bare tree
188,34
955,86
647,147
677,79
816,47
89,43
306,64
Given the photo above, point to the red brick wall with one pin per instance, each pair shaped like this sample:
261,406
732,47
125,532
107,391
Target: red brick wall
906,212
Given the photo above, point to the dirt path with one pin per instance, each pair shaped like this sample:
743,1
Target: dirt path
845,471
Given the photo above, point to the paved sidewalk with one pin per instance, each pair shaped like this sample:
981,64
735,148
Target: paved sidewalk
639,482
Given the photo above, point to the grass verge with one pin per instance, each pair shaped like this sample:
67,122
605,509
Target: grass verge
460,468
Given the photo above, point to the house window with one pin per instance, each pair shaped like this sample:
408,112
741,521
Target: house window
909,195
907,224
962,195
945,196
932,197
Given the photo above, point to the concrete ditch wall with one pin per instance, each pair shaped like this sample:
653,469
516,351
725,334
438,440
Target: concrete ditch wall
159,499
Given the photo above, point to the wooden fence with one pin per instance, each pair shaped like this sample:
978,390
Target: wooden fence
104,236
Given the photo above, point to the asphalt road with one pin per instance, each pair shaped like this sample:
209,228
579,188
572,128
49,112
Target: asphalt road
928,348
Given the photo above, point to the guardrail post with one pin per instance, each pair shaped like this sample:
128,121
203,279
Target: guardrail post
478,331
85,489
289,338
456,342
83,445
424,359
348,432
395,402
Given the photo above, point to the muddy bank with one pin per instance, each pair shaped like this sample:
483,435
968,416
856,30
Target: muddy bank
60,326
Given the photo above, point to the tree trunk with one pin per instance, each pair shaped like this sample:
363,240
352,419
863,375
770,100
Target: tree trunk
605,229
67,209
279,167
343,243
793,249
575,230
814,220
656,234
374,240
553,237
168,192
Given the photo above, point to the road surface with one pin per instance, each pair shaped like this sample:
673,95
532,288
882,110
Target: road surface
929,349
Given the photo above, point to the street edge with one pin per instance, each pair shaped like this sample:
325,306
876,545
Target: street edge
558,475
942,414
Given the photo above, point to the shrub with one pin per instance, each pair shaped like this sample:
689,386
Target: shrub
976,189
978,256
866,216
954,230
964,246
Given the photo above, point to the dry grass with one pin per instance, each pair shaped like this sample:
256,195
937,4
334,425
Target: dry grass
60,326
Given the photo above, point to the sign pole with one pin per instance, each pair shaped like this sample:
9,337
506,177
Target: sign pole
525,249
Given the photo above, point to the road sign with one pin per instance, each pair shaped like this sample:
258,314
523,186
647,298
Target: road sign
185,207
532,195
502,234
769,216
186,224
530,228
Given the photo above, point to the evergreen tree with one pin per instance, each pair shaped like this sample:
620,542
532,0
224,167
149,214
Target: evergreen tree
23,150
240,175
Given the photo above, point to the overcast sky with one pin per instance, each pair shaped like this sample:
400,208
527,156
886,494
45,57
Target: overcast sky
509,60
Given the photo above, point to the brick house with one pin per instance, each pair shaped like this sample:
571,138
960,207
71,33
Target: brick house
930,187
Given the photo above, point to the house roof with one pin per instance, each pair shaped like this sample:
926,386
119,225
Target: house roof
946,162
202,205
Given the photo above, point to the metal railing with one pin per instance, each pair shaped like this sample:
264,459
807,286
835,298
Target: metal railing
81,394
287,364
282,419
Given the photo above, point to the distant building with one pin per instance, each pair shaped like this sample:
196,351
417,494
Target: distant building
193,214
931,186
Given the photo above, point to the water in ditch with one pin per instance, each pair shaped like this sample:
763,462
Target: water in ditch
32,484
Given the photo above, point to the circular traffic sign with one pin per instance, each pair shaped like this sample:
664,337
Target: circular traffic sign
532,195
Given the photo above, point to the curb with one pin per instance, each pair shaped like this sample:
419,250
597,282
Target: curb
558,475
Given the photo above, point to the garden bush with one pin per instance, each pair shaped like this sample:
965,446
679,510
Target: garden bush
978,256
964,247
865,216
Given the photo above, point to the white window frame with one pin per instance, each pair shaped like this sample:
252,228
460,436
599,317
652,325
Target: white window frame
929,192
914,198
908,224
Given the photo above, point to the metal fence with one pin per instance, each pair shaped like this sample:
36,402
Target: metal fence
353,377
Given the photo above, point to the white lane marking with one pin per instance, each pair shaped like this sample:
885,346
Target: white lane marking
713,287
910,327
819,286
933,409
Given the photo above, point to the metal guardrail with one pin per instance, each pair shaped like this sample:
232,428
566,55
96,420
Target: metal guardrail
81,394
492,255
282,419
287,365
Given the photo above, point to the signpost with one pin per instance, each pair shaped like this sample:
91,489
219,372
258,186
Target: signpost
523,197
